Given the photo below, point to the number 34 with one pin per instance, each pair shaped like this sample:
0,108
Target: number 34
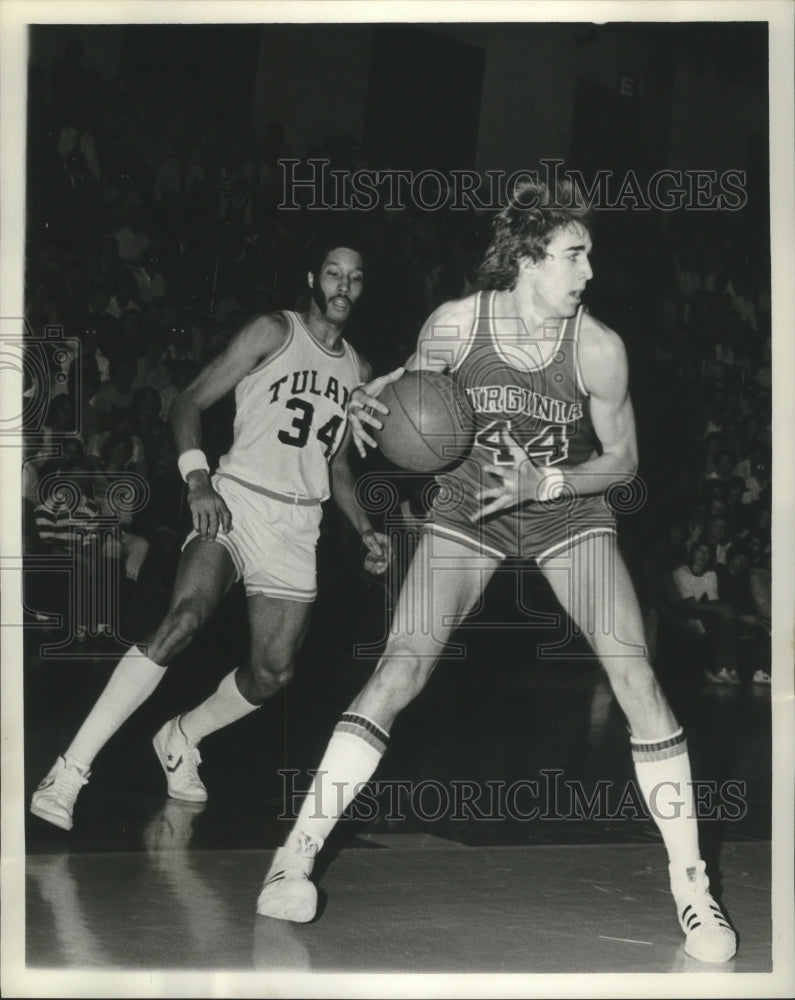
302,425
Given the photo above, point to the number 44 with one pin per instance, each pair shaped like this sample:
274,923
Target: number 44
547,448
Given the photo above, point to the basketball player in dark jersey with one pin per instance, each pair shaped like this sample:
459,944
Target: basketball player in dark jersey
556,432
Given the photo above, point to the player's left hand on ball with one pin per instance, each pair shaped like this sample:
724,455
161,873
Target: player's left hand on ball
363,405
377,558
519,480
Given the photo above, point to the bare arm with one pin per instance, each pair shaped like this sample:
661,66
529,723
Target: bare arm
343,492
444,336
439,346
604,369
255,342
603,366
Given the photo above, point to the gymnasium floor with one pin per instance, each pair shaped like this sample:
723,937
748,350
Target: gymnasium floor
452,877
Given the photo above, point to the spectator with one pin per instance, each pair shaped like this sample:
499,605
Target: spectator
128,547
716,534
705,615
753,630
116,394
757,483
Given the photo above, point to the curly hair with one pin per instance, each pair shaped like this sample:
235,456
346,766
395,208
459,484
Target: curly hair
525,227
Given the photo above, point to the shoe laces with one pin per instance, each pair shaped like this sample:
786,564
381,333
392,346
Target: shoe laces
299,860
191,758
69,781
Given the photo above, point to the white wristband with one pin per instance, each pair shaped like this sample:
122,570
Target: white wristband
191,460
550,486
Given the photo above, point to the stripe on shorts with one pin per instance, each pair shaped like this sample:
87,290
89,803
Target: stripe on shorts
671,746
365,729
559,547
459,536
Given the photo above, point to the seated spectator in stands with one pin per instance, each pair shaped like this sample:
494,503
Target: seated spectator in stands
761,524
716,534
724,463
713,414
125,296
60,424
66,519
675,542
753,631
117,393
148,424
151,372
705,615
759,581
129,547
757,546
658,594
757,483
121,424
696,520
735,511
151,283
713,443
132,238
180,345
714,494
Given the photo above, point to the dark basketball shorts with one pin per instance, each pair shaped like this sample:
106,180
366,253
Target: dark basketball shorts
538,531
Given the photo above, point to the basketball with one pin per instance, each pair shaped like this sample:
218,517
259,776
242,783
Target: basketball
429,425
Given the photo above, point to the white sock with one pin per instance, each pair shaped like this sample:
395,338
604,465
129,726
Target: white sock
663,770
354,752
224,706
130,684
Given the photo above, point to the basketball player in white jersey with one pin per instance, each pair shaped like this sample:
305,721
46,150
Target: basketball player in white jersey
548,384
257,518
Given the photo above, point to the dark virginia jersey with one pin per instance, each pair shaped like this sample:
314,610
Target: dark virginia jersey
527,384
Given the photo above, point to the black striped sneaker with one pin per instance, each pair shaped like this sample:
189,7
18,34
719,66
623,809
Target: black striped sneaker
708,934
287,892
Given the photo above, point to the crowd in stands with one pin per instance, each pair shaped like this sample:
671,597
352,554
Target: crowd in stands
153,233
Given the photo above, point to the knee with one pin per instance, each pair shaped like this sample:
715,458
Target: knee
634,679
401,675
271,670
177,630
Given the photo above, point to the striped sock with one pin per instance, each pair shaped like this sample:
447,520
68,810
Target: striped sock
353,753
663,771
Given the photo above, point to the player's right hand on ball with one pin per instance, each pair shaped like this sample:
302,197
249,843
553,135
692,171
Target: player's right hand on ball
362,407
208,510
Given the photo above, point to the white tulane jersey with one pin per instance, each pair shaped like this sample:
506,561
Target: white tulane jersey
291,416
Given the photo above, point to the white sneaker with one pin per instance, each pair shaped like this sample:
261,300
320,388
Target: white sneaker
287,893
180,761
54,799
761,677
708,936
722,676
